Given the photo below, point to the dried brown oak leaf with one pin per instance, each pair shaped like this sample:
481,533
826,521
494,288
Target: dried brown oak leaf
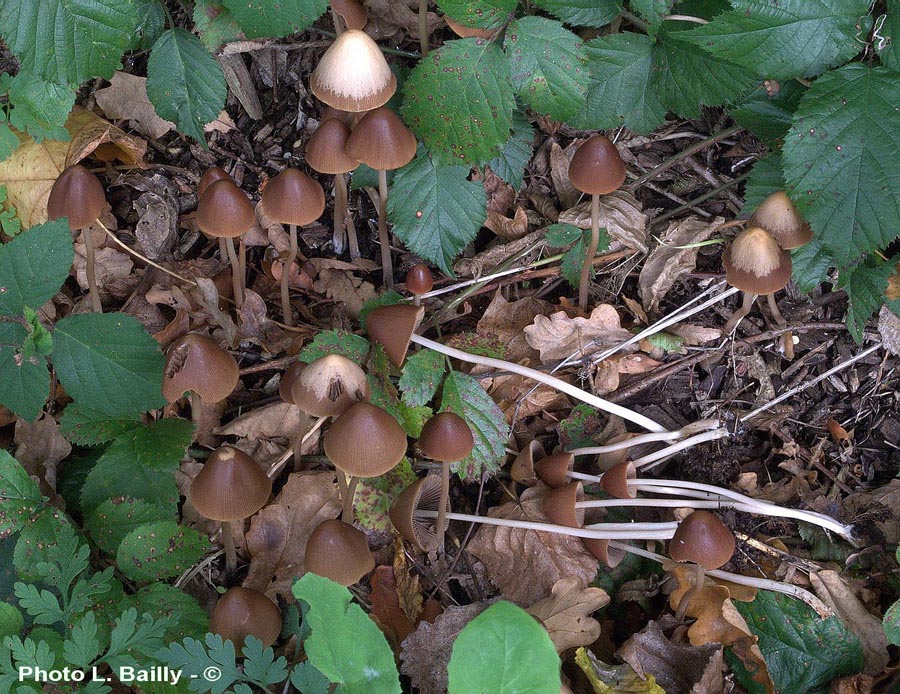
506,228
526,564
506,321
126,99
345,288
397,603
558,336
278,420
565,613
277,537
620,214
40,446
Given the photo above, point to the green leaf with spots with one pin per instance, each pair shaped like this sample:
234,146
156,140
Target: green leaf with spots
374,496
384,395
326,342
215,24
40,108
548,66
113,519
38,546
276,19
8,144
865,285
19,495
765,178
421,377
769,116
34,265
159,445
484,14
811,265
159,550
166,602
464,395
87,427
886,41
459,101
435,210
26,382
112,477
516,153
589,13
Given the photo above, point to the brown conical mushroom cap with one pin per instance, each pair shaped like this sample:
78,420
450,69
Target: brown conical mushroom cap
197,364
755,263
243,612
210,176
522,469
353,13
344,117
329,385
381,141
288,379
703,539
392,327
552,469
423,495
419,279
338,551
353,75
465,32
609,556
597,168
559,505
224,211
365,441
78,195
326,150
230,486
615,481
446,437
777,215
606,460
292,197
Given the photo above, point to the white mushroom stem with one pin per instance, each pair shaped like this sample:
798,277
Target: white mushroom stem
387,264
228,544
685,431
237,281
652,459
587,263
287,314
739,314
91,269
544,378
761,583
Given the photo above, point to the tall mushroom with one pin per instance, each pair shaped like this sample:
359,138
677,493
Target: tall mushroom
598,169
352,75
446,438
381,141
78,195
295,199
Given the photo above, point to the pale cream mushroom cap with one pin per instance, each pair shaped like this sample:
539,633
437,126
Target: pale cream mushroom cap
353,75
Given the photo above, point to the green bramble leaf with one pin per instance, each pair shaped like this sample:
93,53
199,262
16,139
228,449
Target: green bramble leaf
34,265
384,395
435,210
885,41
68,41
590,13
38,342
865,285
82,646
374,495
464,395
503,650
421,377
765,178
152,22
112,477
345,645
26,382
548,66
157,446
811,265
8,144
561,235
185,83
842,159
87,427
115,518
652,11
276,19
769,116
459,101
484,14
793,38
326,342
40,108
891,624
516,153
216,25
165,602
110,361
159,550
19,495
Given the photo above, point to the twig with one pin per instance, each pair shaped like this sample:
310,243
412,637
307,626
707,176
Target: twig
702,198
693,149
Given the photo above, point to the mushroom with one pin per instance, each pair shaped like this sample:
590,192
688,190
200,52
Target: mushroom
230,487
243,612
326,152
419,281
352,75
224,212
381,141
704,540
292,198
446,438
598,169
210,176
522,468
78,195
352,15
338,551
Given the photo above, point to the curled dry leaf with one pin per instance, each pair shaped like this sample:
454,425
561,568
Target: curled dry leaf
509,554
506,320
112,268
522,397
397,603
614,679
40,446
882,503
126,99
522,249
559,173
278,420
620,214
565,613
278,534
207,297
694,334
558,336
341,286
506,228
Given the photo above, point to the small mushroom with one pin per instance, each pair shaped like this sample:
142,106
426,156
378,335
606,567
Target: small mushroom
522,468
405,513
338,551
352,15
419,281
353,75
555,469
705,541
243,612
777,215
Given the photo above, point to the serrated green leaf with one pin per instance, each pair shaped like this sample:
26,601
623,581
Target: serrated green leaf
865,285
385,396
561,235
459,101
26,382
803,652
48,550
34,265
464,395
811,265
276,19
484,14
38,342
769,117
503,650
307,680
192,658
185,83
765,178
547,65
157,446
115,518
152,22
165,602
620,92
260,664
684,76
41,605
216,25
516,153
421,377
40,108
345,645
19,495
791,38
110,478
87,427
109,361
590,13
8,144
570,268
129,638
82,646
668,342
652,11
159,550
326,342
886,38
842,159
435,210
11,620
68,41
374,496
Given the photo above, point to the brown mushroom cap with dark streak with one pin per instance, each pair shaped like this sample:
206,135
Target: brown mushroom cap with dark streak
210,176
328,386
597,167
423,495
419,279
224,211
381,140
392,327
78,195
352,75
292,197
446,437
552,469
703,539
365,441
243,612
195,363
326,150
230,486
778,215
338,551
615,481
755,263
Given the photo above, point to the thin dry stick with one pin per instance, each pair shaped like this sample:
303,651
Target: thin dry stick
693,149
147,260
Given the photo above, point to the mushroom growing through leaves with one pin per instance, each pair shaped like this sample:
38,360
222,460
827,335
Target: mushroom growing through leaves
78,195
446,438
598,169
352,75
243,612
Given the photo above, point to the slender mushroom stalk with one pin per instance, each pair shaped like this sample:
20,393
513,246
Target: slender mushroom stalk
419,281
597,169
326,153
243,612
78,195
423,27
653,437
